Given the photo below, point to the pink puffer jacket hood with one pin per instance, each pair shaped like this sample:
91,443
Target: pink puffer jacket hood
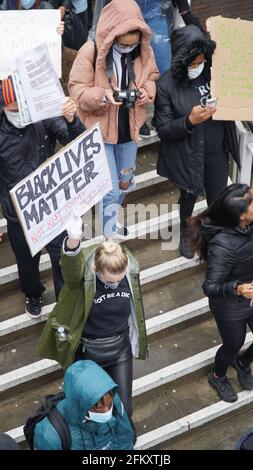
89,79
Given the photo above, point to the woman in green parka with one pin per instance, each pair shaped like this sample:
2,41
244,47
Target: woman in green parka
99,314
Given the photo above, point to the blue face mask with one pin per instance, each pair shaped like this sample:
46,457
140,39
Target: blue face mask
111,285
27,4
100,417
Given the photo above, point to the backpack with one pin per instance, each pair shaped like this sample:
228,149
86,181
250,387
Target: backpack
245,442
74,35
49,410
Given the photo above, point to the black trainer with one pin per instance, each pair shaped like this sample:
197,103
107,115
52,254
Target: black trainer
144,131
223,387
244,375
184,246
33,306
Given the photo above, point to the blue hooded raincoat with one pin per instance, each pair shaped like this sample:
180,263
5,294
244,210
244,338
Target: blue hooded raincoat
84,384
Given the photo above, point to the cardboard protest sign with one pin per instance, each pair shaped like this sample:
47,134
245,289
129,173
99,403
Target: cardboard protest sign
23,30
76,178
232,68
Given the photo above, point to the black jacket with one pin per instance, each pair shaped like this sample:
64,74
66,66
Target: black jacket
23,150
181,152
229,263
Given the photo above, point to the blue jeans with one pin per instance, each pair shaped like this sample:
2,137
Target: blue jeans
160,42
121,159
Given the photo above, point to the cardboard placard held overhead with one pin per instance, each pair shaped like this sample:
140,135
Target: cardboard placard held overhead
232,68
74,179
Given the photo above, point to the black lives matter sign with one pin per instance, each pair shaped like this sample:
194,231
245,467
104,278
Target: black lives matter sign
74,179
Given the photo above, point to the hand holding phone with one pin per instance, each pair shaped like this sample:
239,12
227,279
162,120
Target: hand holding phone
211,102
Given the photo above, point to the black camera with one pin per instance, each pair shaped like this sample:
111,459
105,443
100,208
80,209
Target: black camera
127,97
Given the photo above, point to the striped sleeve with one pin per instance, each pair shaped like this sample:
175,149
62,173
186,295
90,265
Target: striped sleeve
7,92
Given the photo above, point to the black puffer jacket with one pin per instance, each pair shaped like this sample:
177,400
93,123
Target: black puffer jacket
23,150
181,152
229,263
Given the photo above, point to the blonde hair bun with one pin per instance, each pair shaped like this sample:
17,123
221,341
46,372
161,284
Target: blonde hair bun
110,257
111,247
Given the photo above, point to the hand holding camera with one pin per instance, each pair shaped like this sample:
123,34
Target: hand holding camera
144,98
127,97
109,95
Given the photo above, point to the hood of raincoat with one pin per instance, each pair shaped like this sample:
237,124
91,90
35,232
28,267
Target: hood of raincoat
84,384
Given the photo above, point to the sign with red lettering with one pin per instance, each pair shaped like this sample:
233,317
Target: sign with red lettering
75,178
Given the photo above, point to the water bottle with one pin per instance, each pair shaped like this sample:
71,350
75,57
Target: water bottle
61,333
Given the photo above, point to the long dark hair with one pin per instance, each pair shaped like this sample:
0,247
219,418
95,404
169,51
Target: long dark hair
225,211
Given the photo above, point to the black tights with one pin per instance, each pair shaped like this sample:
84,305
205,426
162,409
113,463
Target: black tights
233,336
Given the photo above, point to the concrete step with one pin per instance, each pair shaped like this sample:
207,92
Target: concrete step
18,349
166,269
10,273
222,433
177,427
143,384
166,398
185,424
46,367
148,253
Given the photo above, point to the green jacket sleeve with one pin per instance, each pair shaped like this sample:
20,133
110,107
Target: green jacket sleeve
73,268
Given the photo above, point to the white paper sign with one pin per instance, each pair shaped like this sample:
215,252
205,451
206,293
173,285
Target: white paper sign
22,104
42,89
23,30
76,178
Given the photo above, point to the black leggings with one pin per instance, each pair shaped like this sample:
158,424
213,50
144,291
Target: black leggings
233,336
122,375
215,180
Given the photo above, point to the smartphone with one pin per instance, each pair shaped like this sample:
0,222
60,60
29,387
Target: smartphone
211,102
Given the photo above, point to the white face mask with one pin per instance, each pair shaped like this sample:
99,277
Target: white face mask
196,71
14,118
100,417
124,50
